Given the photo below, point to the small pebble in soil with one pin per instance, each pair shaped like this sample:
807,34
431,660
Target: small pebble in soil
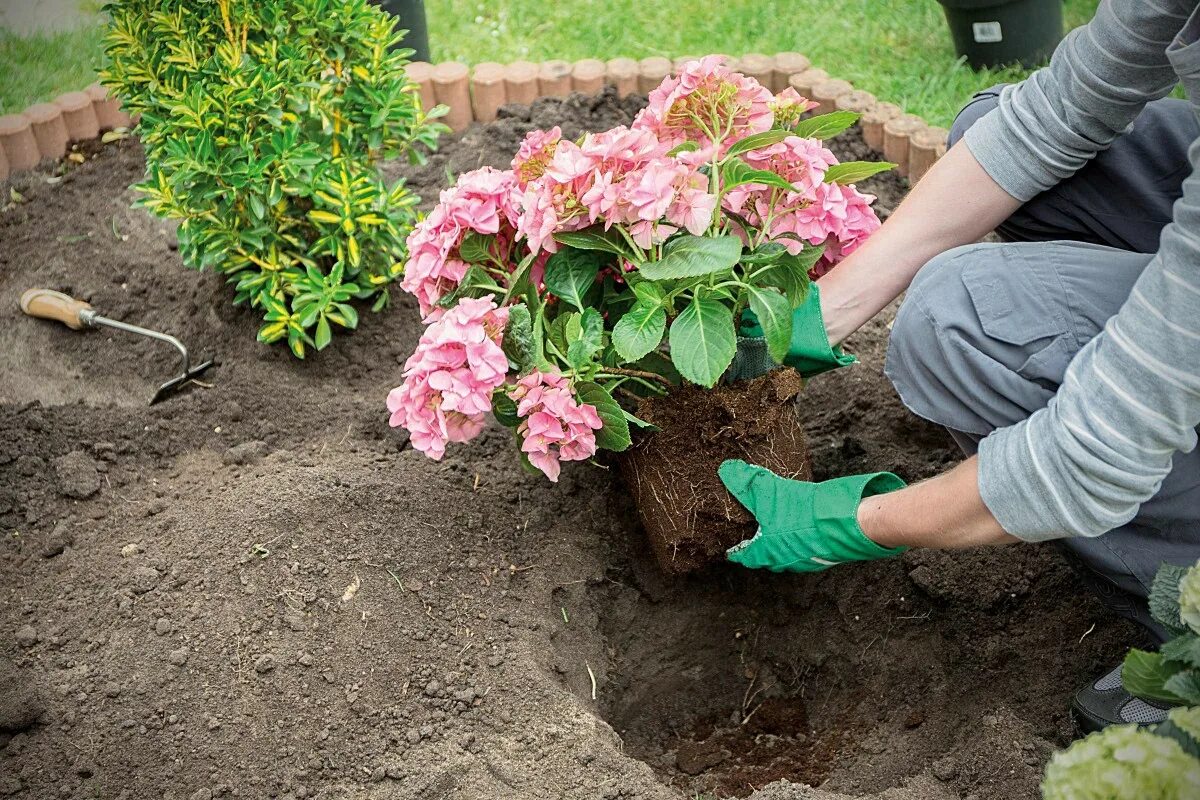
130,550
264,664
178,657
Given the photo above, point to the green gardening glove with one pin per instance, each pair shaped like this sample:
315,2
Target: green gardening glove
810,352
804,527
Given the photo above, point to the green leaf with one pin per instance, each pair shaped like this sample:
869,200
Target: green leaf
766,253
1185,684
1145,675
594,238
683,147
703,341
690,256
849,172
517,343
324,334
774,314
476,247
583,346
640,330
736,172
757,140
504,409
468,287
641,423
1185,649
570,273
825,126
615,433
556,333
1164,598
649,293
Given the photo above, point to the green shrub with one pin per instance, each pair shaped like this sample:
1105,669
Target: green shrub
263,123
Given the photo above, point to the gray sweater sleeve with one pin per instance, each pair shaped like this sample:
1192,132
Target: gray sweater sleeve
1101,76
1131,397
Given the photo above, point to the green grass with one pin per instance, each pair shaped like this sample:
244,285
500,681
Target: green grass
41,66
898,49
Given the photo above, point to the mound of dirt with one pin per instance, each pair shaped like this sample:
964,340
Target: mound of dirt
257,589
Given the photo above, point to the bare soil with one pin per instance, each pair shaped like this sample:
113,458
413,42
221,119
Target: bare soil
257,589
689,518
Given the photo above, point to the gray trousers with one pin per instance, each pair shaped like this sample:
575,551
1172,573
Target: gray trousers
986,331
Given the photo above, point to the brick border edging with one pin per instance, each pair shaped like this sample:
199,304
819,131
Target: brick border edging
45,131
476,95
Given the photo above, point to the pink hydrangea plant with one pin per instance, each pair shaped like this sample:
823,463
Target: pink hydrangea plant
524,318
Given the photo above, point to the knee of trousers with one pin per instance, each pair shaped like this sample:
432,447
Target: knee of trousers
941,360
979,104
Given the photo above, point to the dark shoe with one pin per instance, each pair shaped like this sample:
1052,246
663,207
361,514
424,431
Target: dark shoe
1105,702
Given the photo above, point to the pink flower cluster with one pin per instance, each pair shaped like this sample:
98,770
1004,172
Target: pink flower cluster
449,380
620,177
706,93
557,427
817,212
483,201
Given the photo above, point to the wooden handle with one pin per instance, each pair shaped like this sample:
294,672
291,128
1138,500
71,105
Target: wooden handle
49,304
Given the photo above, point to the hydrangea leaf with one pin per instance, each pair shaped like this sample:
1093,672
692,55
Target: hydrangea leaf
640,330
693,256
703,341
825,126
615,433
1146,674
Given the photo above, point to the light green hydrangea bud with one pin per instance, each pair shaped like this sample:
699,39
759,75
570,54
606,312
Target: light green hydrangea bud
1122,763
1187,720
1189,598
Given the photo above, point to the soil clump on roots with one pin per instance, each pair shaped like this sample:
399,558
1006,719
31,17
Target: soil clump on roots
257,589
689,517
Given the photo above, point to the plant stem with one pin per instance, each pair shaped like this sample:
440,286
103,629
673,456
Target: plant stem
638,373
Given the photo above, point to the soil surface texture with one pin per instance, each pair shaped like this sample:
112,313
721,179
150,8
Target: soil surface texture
257,590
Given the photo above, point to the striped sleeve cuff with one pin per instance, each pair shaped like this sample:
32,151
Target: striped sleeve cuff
1014,166
1012,489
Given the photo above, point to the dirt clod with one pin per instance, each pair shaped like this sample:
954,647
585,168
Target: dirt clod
77,475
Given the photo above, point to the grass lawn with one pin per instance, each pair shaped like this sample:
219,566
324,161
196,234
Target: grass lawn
898,49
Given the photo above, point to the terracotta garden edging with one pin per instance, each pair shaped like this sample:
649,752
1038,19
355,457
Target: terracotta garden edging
47,130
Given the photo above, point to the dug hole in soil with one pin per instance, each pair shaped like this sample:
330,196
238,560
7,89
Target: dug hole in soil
257,589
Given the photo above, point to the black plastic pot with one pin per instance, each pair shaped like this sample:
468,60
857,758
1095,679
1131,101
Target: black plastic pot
412,19
992,33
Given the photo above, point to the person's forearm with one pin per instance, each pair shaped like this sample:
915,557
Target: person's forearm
945,512
955,203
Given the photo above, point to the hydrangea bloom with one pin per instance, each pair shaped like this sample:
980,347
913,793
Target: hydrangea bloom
1122,763
788,106
556,426
449,379
1189,598
682,108
818,212
535,153
483,201
621,176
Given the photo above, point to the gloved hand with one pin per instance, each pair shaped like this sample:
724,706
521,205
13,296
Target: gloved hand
804,527
809,353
